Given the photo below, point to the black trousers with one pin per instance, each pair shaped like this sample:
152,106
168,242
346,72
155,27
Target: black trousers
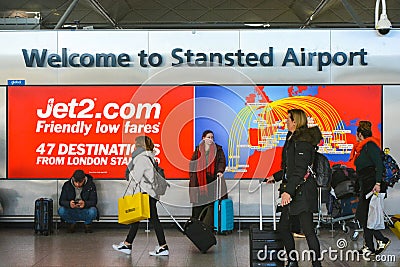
154,220
307,224
367,181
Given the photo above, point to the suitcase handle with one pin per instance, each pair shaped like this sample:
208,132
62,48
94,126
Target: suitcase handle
178,224
273,205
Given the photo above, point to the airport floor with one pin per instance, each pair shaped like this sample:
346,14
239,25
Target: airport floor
19,246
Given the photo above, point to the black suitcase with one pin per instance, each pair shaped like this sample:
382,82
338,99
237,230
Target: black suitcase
201,235
265,244
43,222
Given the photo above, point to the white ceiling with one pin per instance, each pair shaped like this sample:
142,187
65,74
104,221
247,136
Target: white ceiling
133,14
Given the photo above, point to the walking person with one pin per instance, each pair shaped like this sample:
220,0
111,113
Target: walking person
143,174
366,155
298,190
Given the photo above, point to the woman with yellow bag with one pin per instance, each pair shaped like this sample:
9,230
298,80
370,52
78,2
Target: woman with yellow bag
143,174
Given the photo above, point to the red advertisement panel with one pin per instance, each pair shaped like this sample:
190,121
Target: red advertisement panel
53,130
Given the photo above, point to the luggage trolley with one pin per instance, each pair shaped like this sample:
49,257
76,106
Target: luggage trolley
345,214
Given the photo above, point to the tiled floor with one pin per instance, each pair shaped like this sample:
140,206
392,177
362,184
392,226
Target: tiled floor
21,247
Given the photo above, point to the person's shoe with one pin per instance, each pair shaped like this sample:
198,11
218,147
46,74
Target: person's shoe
382,246
71,228
160,251
299,235
121,247
365,251
88,229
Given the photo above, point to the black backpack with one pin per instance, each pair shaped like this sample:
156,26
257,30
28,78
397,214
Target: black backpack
322,170
341,173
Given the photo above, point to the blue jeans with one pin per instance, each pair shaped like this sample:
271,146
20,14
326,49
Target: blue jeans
73,215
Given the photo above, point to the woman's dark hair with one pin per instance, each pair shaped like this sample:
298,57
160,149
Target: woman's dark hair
206,132
146,141
364,128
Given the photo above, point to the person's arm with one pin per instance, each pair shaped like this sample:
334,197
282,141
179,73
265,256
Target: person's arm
374,154
192,169
91,201
221,161
276,177
143,168
303,154
64,201
193,183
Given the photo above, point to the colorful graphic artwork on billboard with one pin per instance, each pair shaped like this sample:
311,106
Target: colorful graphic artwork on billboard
249,121
53,130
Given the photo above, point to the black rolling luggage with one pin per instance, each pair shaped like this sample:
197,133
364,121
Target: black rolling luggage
43,222
199,233
265,244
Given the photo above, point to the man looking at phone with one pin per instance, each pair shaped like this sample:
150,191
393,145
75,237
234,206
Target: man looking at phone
78,201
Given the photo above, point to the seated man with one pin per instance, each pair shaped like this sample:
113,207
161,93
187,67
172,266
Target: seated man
78,201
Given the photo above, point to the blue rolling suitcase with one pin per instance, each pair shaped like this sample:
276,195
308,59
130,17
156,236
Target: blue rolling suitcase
223,216
223,212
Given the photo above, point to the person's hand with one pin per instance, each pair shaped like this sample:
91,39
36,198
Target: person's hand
81,204
377,188
219,174
286,198
73,204
270,179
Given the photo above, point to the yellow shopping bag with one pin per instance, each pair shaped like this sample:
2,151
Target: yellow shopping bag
133,208
395,225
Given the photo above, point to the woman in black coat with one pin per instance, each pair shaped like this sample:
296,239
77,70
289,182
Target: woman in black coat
366,155
299,189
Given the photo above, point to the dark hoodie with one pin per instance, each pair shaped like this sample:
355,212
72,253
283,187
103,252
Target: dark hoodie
88,194
298,154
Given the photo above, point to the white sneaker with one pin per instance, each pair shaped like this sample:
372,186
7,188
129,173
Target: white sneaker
366,251
382,246
160,251
121,247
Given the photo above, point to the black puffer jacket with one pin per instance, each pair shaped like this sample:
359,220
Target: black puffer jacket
297,155
89,193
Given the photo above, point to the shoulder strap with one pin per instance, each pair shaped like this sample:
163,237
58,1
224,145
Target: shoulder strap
152,162
134,189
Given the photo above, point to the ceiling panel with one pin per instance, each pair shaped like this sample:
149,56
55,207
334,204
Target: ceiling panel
131,14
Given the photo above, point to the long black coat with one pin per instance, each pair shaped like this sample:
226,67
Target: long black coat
220,166
298,153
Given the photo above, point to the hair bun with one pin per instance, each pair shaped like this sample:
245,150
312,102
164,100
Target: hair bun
365,125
